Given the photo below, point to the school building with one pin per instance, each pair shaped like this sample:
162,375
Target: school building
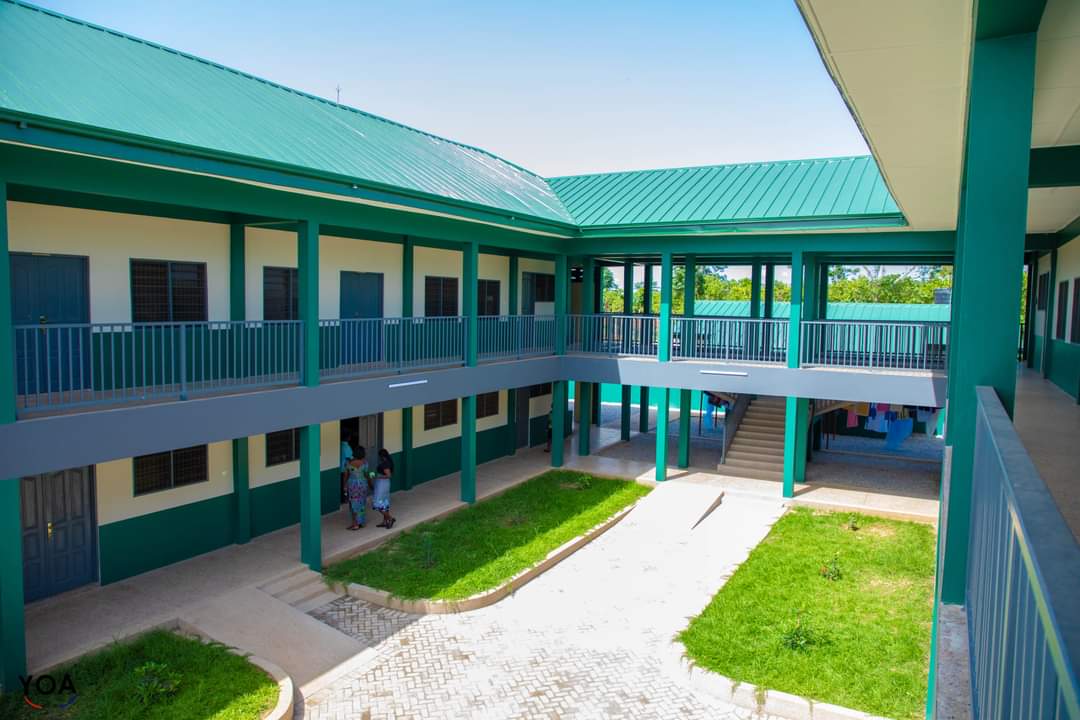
208,281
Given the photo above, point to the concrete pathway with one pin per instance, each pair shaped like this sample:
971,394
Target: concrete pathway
592,637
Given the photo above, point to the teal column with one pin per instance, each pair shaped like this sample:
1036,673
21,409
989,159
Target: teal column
12,613
823,291
558,388
511,393
1048,317
686,395
1029,310
628,309
583,391
310,441
990,248
755,290
811,286
408,253
646,309
663,355
470,258
770,288
238,313
795,408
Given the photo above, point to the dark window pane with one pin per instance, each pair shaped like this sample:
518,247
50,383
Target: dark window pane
540,390
449,297
281,299
149,291
1075,332
153,473
1044,282
188,292
545,288
440,296
488,300
487,404
190,465
282,447
1061,309
440,414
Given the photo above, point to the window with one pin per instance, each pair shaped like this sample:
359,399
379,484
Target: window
440,414
163,471
1062,309
281,294
540,390
163,291
1074,334
440,296
545,288
282,447
488,297
487,404
1044,283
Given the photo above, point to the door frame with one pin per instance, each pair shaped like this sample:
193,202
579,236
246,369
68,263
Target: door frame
86,274
382,291
95,546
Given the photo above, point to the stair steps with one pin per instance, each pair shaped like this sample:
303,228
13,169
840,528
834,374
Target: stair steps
304,589
757,449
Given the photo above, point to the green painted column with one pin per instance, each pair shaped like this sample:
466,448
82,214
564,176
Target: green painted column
990,239
795,408
511,393
408,253
583,391
470,289
770,288
310,441
12,613
755,290
1048,317
558,388
628,309
238,313
1029,310
663,355
811,284
686,395
643,391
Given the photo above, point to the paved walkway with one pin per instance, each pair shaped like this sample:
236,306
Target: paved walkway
590,638
1048,422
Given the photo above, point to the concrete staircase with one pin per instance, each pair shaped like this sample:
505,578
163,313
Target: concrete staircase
757,450
302,588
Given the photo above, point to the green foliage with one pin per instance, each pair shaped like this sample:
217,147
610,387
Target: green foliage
873,286
155,681
869,643
799,636
853,522
157,676
481,546
831,569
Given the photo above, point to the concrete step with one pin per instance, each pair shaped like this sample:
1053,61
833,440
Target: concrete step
753,473
755,464
758,434
773,416
763,454
304,592
751,445
762,425
318,601
292,579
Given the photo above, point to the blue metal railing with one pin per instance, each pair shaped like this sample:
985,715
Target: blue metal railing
69,365
370,346
874,345
605,334
506,337
730,339
1023,581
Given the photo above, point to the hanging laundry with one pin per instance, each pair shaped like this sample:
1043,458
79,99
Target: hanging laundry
872,412
862,409
899,431
883,407
852,419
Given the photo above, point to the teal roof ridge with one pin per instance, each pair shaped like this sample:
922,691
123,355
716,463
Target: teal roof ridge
706,166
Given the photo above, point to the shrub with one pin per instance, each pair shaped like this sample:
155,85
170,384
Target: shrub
154,682
799,636
831,569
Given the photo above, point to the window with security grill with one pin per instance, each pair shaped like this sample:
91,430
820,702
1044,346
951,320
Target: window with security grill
282,447
487,404
164,291
167,470
1062,309
1043,292
1074,333
281,294
488,297
545,288
440,296
539,390
440,414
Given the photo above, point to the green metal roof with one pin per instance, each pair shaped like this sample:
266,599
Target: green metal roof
869,312
792,190
72,73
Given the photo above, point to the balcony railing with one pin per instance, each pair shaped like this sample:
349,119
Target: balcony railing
506,337
605,334
874,345
61,366
358,347
729,340
1022,581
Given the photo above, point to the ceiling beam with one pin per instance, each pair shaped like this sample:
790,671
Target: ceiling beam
1054,166
1000,18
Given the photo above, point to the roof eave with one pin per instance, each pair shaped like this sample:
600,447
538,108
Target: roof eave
797,225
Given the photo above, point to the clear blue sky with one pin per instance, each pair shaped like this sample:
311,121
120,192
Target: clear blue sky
558,86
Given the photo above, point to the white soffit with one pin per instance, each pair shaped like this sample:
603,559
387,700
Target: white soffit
902,68
1051,209
1056,119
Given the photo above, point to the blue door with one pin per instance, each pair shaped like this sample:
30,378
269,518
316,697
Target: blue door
59,532
51,293
361,302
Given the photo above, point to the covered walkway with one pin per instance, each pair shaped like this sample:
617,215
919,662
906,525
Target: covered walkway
1048,422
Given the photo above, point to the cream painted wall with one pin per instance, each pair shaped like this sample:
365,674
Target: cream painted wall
496,267
1068,269
116,499
259,474
1040,315
110,240
539,406
423,437
264,248
435,262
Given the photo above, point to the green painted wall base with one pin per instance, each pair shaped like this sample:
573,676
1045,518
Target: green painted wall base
275,506
1064,370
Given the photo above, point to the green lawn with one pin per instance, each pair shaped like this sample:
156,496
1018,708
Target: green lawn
863,640
211,684
480,547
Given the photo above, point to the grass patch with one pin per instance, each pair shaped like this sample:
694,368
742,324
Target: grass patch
480,547
157,676
828,609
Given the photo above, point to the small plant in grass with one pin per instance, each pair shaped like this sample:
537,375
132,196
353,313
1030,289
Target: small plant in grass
514,519
428,545
853,522
799,636
831,569
155,681
581,482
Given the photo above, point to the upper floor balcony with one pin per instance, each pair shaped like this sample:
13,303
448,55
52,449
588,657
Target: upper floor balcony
71,367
